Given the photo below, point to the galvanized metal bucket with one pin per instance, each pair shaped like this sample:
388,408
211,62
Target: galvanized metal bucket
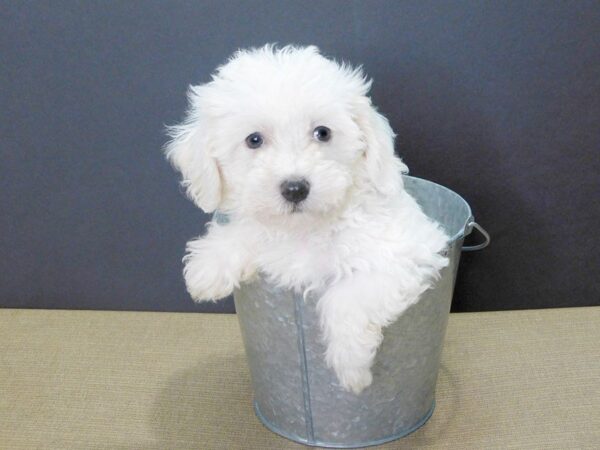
298,396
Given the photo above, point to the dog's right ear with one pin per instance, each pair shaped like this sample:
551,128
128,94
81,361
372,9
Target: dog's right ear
190,152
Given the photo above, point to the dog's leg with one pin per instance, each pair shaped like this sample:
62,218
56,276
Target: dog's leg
353,312
216,263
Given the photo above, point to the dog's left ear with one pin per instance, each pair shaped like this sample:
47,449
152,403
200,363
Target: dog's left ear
383,167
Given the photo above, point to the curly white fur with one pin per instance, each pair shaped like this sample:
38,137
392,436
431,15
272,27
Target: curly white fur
358,236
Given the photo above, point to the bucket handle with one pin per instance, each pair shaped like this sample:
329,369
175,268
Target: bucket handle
485,234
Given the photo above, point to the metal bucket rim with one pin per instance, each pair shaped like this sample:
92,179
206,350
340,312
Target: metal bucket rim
466,230
221,217
317,443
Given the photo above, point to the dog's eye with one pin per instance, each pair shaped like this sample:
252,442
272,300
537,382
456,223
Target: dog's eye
322,134
254,140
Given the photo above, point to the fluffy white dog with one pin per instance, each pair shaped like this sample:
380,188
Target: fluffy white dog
289,146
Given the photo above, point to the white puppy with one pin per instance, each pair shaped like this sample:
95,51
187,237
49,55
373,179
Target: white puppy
289,146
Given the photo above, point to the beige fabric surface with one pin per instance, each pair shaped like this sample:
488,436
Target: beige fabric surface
130,380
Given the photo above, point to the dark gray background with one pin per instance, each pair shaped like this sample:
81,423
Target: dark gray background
500,101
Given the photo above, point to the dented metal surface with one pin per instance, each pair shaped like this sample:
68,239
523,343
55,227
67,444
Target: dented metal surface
298,396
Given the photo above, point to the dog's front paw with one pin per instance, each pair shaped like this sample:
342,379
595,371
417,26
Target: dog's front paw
351,365
205,281
208,277
354,379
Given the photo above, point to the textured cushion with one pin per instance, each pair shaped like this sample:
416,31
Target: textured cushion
136,380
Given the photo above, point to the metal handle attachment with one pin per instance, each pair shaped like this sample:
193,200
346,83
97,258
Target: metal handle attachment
484,244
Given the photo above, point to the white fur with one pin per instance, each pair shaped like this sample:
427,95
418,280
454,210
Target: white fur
358,238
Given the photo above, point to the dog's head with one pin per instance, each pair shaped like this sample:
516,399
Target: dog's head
283,133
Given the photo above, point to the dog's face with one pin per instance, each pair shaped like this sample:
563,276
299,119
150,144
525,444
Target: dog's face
283,134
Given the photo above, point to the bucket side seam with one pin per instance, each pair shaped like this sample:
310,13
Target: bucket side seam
303,362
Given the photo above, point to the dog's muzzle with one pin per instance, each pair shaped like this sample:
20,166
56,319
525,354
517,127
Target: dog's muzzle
295,191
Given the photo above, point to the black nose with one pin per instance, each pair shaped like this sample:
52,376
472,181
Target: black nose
295,191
